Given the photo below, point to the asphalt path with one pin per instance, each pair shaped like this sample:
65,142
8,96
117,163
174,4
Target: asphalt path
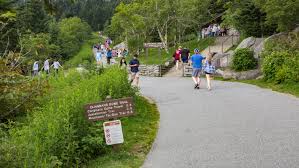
233,126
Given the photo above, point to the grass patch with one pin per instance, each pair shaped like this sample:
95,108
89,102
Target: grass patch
154,58
57,134
139,134
85,56
289,88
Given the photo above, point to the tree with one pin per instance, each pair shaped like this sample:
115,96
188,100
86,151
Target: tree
32,17
8,36
283,13
247,18
72,33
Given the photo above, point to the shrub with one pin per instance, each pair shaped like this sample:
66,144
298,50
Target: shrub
281,67
18,93
243,60
58,134
72,33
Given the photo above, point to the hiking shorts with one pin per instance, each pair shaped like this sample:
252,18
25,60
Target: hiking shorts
196,72
134,75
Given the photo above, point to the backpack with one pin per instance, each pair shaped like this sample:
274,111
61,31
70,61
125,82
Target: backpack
209,68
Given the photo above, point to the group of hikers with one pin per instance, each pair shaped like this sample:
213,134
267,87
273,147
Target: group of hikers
182,57
213,30
46,67
104,54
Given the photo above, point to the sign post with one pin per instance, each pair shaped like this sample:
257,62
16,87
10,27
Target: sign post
153,45
110,109
107,110
113,132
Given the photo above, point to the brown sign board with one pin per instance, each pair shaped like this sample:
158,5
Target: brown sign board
153,45
110,109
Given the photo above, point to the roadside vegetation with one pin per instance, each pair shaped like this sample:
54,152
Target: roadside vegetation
58,134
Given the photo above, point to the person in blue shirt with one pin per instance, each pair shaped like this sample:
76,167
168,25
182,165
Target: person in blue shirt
109,56
196,60
134,64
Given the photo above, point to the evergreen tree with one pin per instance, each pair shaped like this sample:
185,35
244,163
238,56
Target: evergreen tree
32,17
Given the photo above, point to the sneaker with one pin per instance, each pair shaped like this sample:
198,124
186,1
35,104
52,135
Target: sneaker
195,86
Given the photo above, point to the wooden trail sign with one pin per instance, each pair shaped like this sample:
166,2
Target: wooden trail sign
110,109
153,45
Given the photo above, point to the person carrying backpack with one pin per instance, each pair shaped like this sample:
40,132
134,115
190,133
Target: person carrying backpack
209,69
185,54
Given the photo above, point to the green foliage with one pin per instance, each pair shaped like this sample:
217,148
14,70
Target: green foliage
156,20
281,58
284,14
244,60
85,56
8,37
139,133
246,17
281,67
58,134
72,34
31,17
18,93
282,42
38,47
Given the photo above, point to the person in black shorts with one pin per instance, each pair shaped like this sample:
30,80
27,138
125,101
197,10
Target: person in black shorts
185,55
134,64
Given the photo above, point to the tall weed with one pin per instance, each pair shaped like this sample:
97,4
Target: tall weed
58,134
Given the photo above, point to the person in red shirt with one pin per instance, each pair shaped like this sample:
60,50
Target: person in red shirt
177,57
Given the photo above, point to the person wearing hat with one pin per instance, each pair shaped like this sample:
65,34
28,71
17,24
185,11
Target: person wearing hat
196,60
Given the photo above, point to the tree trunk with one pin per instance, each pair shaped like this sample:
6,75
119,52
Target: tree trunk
163,40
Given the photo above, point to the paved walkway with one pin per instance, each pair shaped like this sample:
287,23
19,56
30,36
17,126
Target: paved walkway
233,126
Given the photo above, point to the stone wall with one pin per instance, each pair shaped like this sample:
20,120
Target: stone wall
155,70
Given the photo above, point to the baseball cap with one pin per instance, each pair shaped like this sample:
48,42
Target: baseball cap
196,50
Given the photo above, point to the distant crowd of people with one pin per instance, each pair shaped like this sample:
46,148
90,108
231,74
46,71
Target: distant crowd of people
46,67
104,54
213,30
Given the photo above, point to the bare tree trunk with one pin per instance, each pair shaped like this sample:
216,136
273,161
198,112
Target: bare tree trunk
163,40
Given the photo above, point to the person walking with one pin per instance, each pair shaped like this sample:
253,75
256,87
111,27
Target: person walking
196,61
56,65
109,56
46,67
134,64
177,57
35,68
99,57
123,63
214,30
185,54
209,69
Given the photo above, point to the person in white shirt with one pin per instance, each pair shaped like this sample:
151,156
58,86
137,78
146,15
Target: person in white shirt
214,30
56,65
35,68
46,66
